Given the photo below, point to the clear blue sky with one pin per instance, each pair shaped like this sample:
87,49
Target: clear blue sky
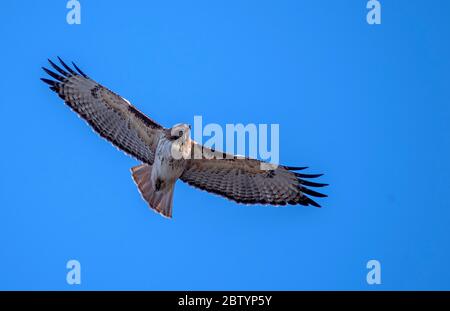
367,105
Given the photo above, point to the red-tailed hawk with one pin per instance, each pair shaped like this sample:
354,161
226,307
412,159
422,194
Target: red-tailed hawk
242,180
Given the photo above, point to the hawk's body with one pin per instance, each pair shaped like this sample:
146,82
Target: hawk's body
168,154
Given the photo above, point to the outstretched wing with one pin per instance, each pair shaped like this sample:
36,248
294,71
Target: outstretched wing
109,114
245,181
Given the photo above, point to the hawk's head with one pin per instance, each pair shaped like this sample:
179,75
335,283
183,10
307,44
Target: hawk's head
181,136
181,132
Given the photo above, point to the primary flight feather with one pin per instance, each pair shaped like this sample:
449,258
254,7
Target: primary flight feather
242,180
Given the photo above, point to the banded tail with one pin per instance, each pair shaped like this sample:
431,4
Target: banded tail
159,200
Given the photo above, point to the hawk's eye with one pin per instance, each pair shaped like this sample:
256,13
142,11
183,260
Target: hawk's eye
180,133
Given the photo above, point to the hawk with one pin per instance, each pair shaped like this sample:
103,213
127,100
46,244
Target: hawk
169,154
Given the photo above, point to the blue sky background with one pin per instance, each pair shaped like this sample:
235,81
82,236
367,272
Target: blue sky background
367,105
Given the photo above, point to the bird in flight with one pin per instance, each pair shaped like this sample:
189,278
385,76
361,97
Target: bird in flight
169,154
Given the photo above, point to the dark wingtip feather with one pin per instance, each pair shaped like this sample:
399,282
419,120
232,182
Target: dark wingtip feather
311,202
57,68
67,67
49,82
312,192
307,175
54,75
312,184
79,70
